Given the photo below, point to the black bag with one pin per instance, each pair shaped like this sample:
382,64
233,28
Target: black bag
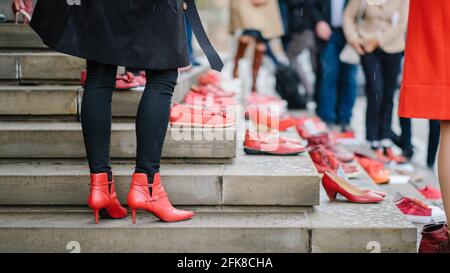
287,82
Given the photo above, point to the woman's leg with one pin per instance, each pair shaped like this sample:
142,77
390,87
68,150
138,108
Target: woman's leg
443,168
153,119
96,116
433,142
243,43
260,51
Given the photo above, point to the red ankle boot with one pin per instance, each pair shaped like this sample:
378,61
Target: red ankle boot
157,202
103,198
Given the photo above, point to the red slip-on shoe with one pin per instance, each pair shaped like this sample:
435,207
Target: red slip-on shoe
209,77
154,201
375,170
334,185
431,193
103,197
341,153
418,212
317,140
141,79
198,99
308,127
433,237
126,81
389,153
324,161
184,116
209,89
255,145
262,116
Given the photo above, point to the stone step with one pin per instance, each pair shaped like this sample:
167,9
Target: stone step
65,140
29,100
64,100
246,181
207,232
344,228
19,36
40,67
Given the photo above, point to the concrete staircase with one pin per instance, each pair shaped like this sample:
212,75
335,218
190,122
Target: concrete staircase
243,203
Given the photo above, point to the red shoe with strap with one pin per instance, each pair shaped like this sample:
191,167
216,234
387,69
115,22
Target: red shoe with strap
103,198
325,160
154,201
334,185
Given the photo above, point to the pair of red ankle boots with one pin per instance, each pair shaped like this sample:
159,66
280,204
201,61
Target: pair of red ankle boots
103,199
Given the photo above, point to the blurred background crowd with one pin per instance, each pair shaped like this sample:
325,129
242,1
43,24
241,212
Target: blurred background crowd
337,49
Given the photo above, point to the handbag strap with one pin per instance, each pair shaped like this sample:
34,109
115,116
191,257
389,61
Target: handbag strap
197,27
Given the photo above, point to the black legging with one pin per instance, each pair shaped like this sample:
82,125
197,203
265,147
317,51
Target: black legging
151,120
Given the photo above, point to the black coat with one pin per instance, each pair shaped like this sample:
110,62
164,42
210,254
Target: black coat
146,34
301,15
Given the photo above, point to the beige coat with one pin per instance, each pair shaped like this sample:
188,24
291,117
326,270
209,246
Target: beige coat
387,23
266,17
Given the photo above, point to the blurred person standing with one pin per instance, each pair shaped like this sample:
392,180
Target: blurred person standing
301,27
260,21
380,40
337,83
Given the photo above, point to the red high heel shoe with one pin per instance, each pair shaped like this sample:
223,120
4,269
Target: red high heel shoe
155,202
103,198
24,8
334,184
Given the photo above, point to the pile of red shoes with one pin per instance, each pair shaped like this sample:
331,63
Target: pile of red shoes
326,154
272,144
205,105
127,81
193,116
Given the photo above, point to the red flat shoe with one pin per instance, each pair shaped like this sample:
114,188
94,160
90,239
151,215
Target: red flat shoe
334,185
389,153
209,77
375,170
126,81
431,193
255,145
262,116
185,115
24,8
155,202
212,90
141,79
325,160
198,99
103,198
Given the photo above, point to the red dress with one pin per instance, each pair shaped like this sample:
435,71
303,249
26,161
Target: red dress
425,91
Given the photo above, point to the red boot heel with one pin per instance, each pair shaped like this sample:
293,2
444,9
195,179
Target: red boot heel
103,199
156,203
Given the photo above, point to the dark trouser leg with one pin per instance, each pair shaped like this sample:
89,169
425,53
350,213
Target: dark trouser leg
153,119
406,137
433,142
371,64
330,70
391,68
96,115
347,93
